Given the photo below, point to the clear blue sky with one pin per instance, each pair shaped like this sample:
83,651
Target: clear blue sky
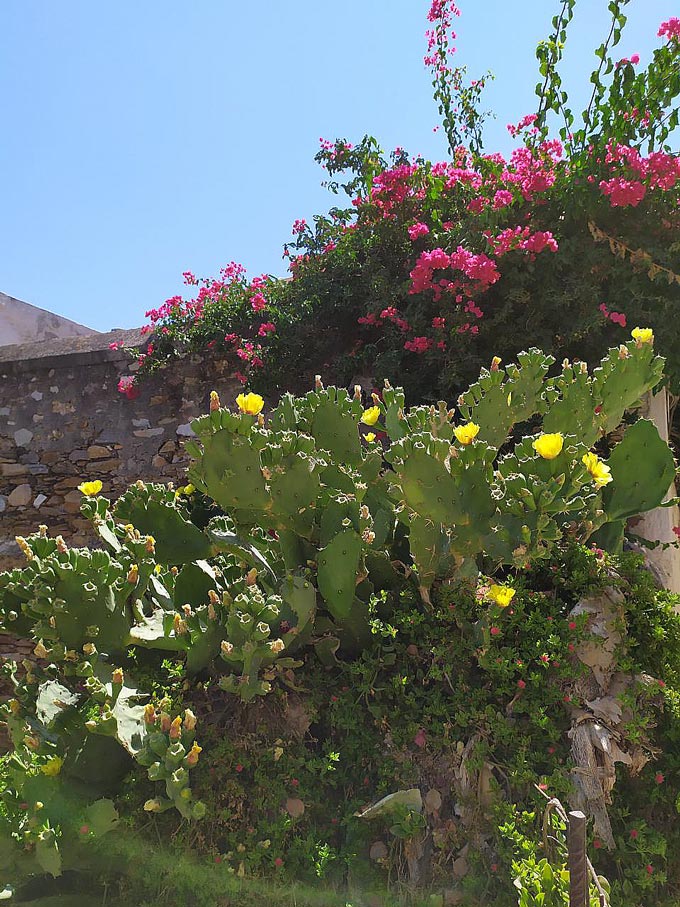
142,138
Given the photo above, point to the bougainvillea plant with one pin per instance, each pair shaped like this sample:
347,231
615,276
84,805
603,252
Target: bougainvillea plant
428,265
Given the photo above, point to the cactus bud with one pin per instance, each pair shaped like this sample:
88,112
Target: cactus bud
23,544
71,655
318,383
187,610
118,677
89,648
152,806
14,706
133,575
212,614
277,645
165,723
364,512
189,720
251,577
174,571
357,392
213,597
40,651
495,362
623,352
62,547
176,728
31,742
226,647
180,626
368,536
149,714
150,544
214,401
192,755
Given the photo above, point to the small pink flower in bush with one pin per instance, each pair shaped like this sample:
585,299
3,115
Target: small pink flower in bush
416,230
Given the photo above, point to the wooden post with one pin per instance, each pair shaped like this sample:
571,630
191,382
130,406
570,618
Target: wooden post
578,867
657,525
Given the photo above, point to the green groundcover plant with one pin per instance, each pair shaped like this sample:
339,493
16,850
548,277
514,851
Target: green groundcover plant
425,270
361,648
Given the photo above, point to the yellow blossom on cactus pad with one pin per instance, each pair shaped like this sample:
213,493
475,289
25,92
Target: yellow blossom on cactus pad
91,488
495,362
599,471
251,404
371,415
501,595
175,728
549,446
465,434
642,335
52,767
370,436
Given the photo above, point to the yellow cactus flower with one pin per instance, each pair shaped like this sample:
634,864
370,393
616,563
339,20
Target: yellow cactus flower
501,595
371,415
549,446
370,437
175,728
251,404
214,401
466,434
185,489
91,488
52,767
600,473
150,544
495,362
133,574
642,335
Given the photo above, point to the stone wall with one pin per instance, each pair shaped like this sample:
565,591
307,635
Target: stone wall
62,421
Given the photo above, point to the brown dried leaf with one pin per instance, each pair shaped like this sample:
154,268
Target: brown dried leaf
294,807
433,801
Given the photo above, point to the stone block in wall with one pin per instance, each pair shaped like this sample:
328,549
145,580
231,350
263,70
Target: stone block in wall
21,496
